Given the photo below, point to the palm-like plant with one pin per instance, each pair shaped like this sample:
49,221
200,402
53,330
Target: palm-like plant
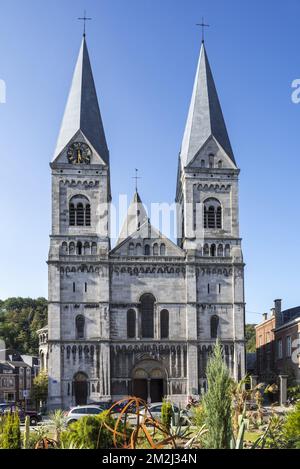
59,422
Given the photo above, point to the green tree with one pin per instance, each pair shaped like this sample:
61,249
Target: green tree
250,338
20,318
39,391
217,402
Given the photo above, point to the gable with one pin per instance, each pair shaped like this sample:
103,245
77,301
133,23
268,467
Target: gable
147,235
212,151
62,158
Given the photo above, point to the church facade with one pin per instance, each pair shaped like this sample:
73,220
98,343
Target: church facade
142,317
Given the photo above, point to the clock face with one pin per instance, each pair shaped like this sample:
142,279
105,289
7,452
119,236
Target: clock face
79,153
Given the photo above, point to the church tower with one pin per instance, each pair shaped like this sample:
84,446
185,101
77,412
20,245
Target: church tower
208,225
78,338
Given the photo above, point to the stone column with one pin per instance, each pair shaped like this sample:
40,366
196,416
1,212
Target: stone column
283,389
253,381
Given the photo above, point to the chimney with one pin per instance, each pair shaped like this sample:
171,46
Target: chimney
278,314
265,316
272,312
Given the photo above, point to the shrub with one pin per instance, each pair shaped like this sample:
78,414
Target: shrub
11,434
198,416
166,414
292,427
217,402
90,432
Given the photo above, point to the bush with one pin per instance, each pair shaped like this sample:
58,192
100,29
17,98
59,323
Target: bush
166,414
292,427
90,433
11,434
198,416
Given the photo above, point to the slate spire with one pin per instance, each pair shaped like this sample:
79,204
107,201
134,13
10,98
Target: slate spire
82,110
205,117
136,217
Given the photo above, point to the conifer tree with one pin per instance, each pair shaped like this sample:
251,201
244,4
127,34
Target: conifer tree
217,402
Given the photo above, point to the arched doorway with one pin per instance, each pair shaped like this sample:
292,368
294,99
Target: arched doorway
81,388
149,381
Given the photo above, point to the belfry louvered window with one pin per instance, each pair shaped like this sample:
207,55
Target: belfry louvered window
212,214
79,211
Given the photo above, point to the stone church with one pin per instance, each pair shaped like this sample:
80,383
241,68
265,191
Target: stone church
142,317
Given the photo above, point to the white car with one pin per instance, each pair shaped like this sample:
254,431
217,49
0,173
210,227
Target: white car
82,411
155,412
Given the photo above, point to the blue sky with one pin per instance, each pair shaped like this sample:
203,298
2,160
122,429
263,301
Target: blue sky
144,56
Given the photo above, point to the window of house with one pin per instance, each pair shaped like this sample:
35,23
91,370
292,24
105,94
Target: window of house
279,348
147,250
289,346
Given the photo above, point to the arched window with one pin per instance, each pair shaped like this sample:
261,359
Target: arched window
79,211
79,248
87,249
72,248
138,249
214,326
72,214
220,250
88,215
227,250
94,248
147,316
206,250
212,214
211,160
131,249
79,327
80,215
164,324
213,250
162,249
220,164
64,248
202,163
130,324
155,249
147,250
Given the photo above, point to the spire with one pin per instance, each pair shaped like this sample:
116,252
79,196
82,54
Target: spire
136,217
205,116
82,110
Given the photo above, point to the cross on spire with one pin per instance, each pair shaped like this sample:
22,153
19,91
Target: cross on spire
84,19
136,177
203,25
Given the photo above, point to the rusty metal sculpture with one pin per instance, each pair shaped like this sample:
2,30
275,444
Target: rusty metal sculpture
133,426
46,443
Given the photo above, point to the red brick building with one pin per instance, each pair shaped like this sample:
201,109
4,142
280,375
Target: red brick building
278,344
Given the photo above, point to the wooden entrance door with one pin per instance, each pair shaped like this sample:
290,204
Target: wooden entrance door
81,389
140,388
157,390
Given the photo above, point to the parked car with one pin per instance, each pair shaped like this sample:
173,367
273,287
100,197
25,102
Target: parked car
154,410
82,411
35,417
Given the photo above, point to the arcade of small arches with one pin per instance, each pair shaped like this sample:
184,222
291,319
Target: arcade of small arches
216,250
79,248
155,249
